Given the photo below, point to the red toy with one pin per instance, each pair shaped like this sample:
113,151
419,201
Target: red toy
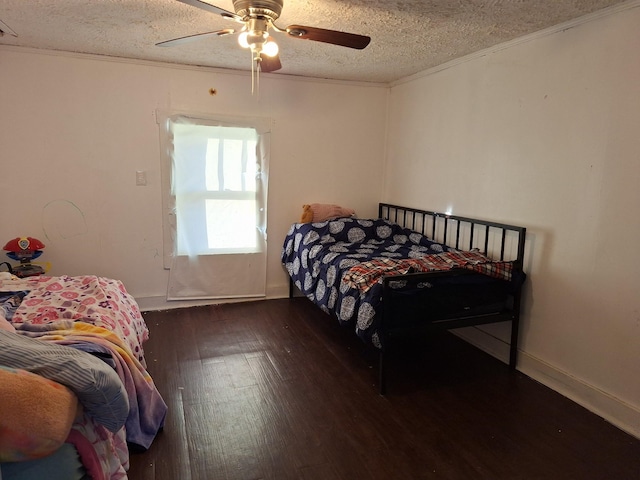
25,249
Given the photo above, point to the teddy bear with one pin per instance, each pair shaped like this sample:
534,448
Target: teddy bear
307,214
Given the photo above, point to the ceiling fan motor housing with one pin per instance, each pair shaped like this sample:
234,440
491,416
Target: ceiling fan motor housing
257,32
270,9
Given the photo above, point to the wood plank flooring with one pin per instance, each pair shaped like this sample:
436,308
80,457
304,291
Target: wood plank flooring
278,390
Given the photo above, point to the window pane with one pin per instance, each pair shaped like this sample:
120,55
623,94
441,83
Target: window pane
251,168
231,224
230,164
212,180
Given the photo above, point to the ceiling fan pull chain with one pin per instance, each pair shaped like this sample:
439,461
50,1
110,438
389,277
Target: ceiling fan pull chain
257,78
253,74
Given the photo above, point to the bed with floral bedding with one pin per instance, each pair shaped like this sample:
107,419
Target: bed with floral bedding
83,335
409,270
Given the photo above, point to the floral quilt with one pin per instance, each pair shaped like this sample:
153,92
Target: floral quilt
100,301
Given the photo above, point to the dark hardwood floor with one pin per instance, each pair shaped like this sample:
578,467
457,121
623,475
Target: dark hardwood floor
278,390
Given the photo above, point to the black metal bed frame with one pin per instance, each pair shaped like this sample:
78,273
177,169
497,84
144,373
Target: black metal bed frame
498,241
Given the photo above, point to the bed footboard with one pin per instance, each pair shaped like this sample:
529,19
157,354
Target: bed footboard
455,307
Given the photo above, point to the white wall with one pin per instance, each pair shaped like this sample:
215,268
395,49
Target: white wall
545,134
74,129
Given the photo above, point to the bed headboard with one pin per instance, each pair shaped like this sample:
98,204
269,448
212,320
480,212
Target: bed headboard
497,240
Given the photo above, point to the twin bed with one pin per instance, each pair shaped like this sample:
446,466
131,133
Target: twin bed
75,412
409,271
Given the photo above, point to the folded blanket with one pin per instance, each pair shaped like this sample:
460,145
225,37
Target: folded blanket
147,409
97,386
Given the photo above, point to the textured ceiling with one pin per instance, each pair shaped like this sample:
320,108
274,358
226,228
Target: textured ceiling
406,36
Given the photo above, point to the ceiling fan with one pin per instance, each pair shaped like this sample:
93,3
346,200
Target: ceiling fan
257,17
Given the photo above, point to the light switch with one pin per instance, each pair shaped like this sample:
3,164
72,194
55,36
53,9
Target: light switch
141,178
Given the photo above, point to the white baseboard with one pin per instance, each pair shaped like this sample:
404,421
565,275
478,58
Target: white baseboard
150,304
624,416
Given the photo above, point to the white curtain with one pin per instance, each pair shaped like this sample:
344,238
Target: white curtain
195,276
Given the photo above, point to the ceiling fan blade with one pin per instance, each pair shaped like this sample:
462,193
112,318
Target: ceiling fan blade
213,9
269,64
197,36
335,37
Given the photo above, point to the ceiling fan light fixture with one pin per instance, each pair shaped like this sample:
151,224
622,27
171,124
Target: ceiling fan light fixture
270,48
242,39
252,39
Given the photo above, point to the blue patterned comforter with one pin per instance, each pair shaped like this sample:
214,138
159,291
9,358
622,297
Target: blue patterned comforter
318,255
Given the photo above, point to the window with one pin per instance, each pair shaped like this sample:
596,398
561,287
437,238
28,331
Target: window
215,185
